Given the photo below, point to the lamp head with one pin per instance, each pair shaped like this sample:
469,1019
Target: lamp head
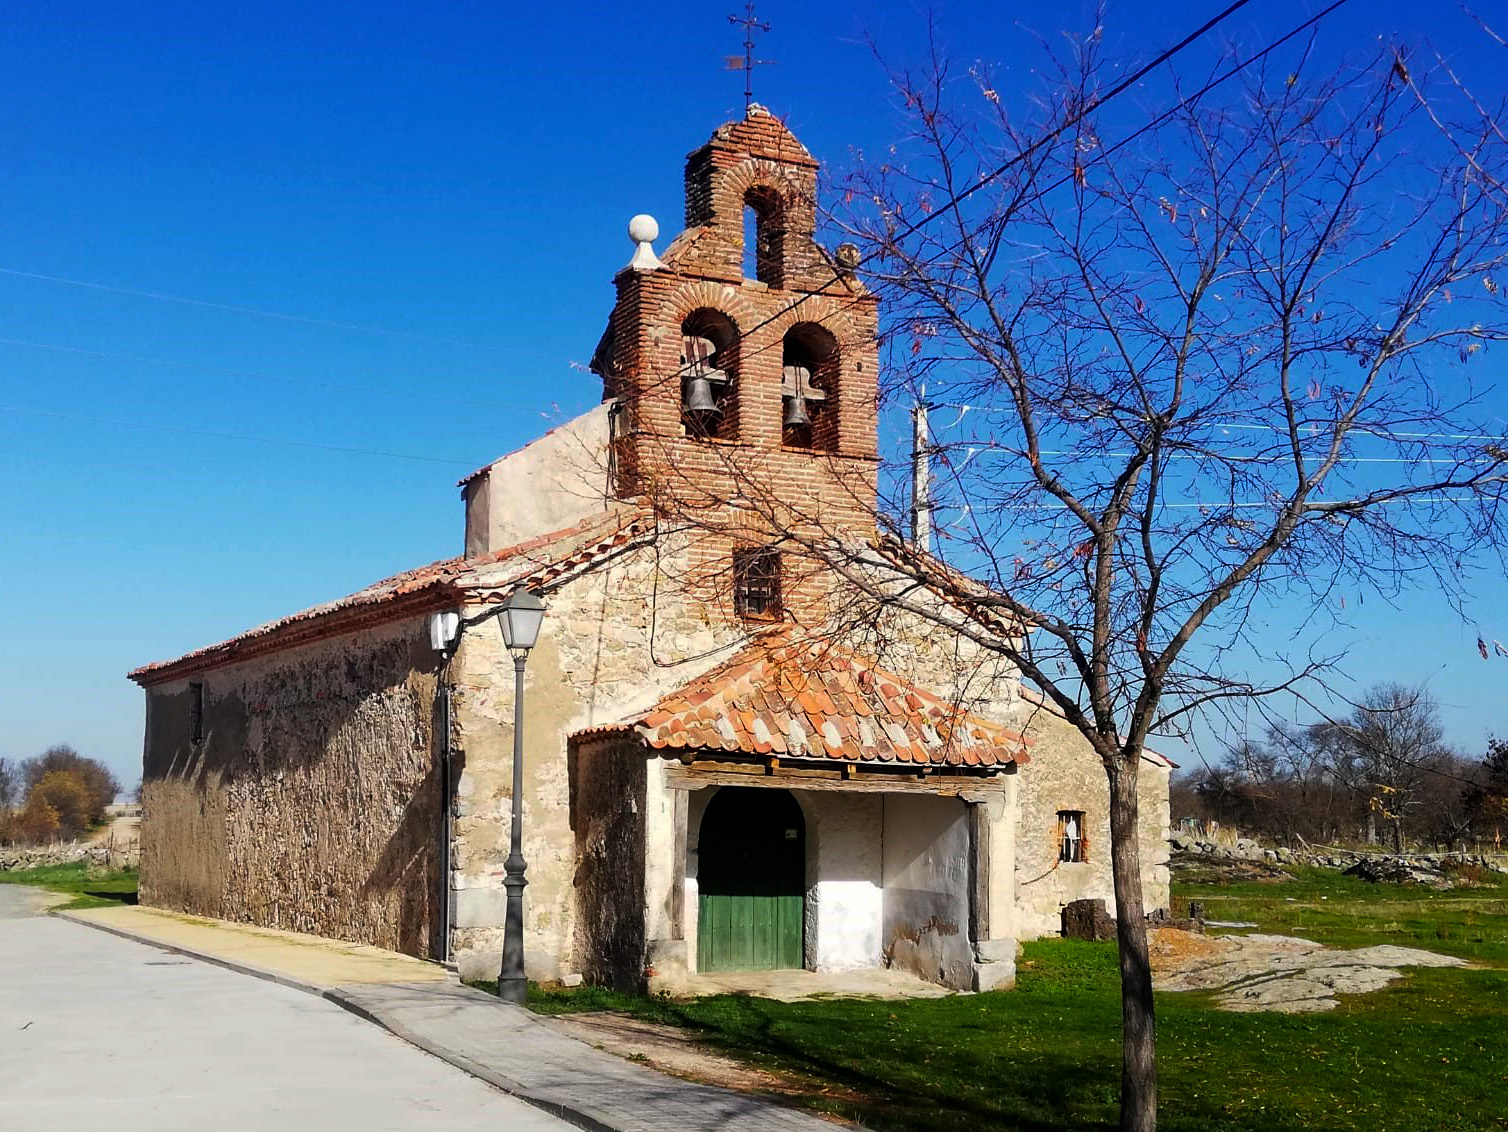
520,618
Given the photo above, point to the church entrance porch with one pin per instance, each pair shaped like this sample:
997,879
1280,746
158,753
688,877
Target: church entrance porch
751,882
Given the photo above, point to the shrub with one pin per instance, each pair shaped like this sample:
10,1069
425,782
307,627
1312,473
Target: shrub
33,823
66,795
100,786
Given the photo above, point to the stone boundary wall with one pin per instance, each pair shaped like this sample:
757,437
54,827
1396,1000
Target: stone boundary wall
14,857
1426,865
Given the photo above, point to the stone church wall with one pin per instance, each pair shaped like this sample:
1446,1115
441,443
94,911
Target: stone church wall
616,638
1065,774
312,803
608,781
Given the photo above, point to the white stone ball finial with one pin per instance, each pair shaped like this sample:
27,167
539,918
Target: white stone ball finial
644,230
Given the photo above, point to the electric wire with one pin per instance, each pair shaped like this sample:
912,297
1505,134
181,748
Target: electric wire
1087,161
257,312
260,375
155,427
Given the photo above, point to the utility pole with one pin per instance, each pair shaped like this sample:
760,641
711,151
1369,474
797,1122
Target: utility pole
921,478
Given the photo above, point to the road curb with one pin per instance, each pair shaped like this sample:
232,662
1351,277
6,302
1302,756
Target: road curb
581,1117
191,953
571,1114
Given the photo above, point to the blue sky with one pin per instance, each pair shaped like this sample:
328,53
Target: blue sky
435,196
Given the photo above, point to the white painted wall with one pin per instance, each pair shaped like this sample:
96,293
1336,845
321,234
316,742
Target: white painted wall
845,898
659,852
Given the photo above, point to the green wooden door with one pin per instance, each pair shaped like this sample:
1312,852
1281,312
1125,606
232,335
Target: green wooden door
751,881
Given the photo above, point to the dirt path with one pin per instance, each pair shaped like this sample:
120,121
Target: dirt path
121,835
675,1051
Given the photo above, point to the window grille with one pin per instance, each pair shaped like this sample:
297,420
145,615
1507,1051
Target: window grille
196,713
756,583
1073,837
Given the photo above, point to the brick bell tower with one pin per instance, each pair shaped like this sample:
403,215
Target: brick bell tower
750,400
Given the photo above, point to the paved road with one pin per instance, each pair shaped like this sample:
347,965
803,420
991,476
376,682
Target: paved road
98,1034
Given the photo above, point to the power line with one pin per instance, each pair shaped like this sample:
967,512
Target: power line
259,375
1315,428
1073,120
257,312
153,427
1099,155
1118,89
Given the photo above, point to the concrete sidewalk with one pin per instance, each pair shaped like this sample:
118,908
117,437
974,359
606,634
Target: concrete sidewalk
507,1046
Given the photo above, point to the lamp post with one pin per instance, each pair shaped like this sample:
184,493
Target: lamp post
519,620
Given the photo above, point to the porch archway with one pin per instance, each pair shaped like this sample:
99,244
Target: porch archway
751,881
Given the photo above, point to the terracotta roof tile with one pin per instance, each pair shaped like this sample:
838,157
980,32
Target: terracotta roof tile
535,563
819,702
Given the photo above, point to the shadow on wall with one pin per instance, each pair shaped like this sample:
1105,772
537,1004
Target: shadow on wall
311,803
409,866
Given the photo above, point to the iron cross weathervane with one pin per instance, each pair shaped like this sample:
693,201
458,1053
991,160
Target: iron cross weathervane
748,62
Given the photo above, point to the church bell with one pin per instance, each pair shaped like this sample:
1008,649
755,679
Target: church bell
699,397
795,412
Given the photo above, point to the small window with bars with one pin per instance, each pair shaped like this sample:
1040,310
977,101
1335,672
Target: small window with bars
1073,838
196,713
756,583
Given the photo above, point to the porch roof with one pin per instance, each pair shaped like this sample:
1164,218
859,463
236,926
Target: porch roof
813,701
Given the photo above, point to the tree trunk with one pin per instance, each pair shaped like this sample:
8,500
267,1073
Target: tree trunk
1397,835
1138,1022
1371,827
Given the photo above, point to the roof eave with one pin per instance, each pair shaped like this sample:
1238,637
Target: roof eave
428,598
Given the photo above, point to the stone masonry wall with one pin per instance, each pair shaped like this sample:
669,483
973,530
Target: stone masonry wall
615,640
1066,774
607,813
312,803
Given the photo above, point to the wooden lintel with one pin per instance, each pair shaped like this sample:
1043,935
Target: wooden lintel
699,776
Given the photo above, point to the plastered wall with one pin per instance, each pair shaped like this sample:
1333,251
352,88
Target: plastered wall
926,871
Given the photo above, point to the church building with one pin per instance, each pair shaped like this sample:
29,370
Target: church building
751,740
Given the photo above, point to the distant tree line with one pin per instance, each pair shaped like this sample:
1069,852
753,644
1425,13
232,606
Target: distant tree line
1381,775
58,794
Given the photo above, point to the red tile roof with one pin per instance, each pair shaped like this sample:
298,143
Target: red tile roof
534,563
805,701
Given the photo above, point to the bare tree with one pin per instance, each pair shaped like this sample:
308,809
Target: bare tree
1387,751
1219,373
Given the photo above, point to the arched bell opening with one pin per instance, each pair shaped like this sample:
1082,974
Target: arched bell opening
709,373
808,387
751,881
764,221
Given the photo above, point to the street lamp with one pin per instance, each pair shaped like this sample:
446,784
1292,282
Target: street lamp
519,620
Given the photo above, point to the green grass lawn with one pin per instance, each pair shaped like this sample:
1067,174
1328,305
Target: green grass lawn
1429,1052
89,887
1470,921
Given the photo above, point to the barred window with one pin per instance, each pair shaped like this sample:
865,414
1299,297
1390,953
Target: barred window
756,583
1073,838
